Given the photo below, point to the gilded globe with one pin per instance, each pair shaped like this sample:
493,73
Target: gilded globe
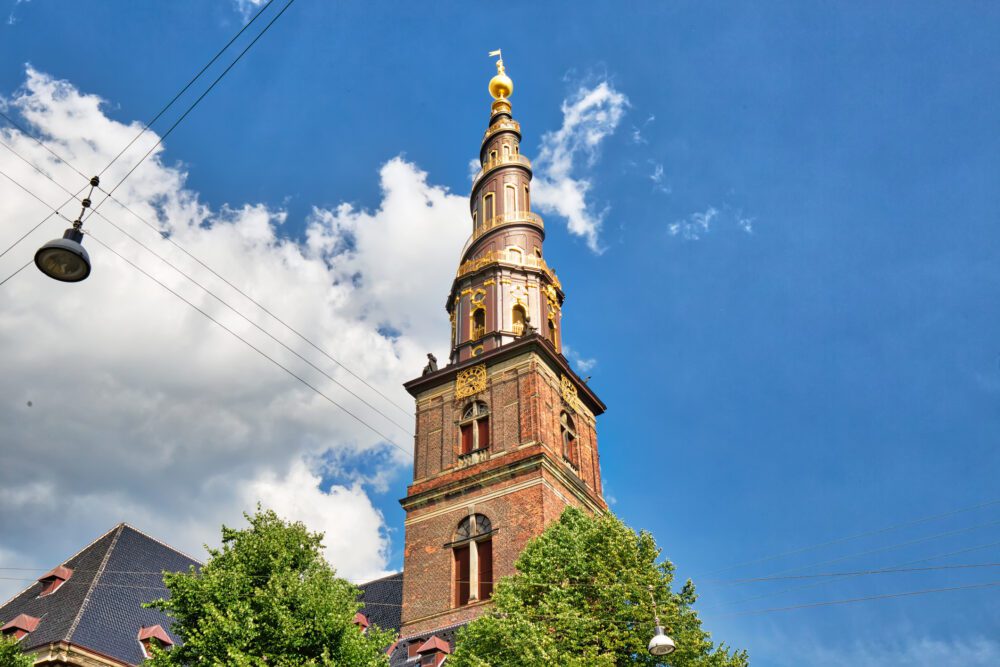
501,86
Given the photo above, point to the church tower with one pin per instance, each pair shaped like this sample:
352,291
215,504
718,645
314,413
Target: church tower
505,433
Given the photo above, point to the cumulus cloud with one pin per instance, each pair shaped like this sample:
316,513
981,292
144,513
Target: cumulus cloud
344,513
121,403
590,115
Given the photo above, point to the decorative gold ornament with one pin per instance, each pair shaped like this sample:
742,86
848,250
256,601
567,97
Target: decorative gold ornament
470,381
501,86
553,298
568,390
477,297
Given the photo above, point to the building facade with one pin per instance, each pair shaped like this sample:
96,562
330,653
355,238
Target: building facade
505,433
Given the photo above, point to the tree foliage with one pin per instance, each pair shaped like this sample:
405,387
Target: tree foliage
267,597
11,654
581,597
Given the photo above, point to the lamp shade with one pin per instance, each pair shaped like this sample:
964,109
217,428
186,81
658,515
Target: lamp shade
661,644
64,259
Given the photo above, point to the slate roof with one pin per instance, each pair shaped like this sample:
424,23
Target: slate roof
100,607
398,655
383,600
384,605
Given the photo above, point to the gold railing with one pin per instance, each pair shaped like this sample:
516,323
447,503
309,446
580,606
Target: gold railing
517,328
504,257
502,125
507,219
478,332
500,161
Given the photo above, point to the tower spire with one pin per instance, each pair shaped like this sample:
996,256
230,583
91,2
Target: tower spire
504,290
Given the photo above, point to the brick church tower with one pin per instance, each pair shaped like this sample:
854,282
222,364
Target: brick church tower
505,433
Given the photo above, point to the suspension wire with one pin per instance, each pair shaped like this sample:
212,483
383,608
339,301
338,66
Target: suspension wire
42,144
185,88
256,349
194,104
146,127
264,308
869,533
161,235
26,265
558,584
772,594
635,621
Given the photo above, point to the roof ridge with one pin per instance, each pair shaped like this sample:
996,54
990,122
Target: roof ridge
89,544
161,542
100,570
374,581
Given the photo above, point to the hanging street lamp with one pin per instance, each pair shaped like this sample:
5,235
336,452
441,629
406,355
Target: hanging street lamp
66,259
660,644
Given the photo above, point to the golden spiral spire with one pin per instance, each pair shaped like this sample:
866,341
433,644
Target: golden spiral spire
501,86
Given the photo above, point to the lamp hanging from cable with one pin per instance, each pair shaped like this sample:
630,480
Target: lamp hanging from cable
660,644
66,259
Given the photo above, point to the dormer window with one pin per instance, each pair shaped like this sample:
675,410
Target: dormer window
361,621
52,581
153,635
433,652
20,626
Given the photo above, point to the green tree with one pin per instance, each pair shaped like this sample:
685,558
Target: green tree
11,654
267,597
581,597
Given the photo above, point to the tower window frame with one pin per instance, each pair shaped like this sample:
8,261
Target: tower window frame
489,208
472,557
474,428
570,444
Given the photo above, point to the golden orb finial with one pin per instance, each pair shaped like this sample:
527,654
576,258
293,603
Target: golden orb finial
501,86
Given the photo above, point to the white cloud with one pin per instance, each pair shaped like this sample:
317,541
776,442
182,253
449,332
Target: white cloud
580,364
248,8
589,116
700,223
637,136
657,177
142,410
692,227
344,514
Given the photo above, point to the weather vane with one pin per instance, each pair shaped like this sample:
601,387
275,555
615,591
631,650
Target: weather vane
500,86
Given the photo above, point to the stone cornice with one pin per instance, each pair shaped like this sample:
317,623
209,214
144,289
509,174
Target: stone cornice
534,343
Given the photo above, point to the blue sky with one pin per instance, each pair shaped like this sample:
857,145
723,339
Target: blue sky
792,313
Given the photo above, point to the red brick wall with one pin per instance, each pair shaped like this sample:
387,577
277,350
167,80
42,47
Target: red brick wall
509,483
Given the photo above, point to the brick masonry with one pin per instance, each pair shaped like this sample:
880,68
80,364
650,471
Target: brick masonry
521,483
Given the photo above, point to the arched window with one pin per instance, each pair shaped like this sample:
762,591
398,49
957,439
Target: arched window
473,557
489,209
506,151
509,199
478,324
515,255
570,450
518,316
527,199
474,428
553,333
